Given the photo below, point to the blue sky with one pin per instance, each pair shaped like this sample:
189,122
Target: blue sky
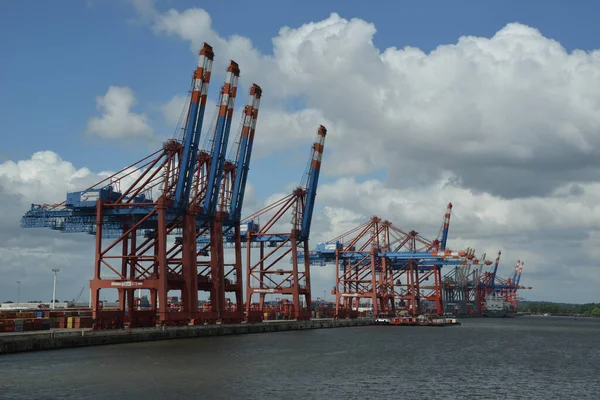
523,182
57,59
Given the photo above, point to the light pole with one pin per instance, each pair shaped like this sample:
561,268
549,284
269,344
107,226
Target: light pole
55,270
18,292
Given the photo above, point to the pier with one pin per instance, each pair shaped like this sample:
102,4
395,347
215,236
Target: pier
60,339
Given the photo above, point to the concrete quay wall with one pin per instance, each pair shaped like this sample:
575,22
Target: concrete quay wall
60,339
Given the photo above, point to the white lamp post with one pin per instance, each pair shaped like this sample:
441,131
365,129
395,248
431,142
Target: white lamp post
18,292
55,270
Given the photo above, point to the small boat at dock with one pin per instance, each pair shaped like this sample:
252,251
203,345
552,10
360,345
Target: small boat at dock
423,320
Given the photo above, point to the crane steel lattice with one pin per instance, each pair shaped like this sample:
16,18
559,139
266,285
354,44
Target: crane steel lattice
200,273
414,288
388,266
507,288
173,191
514,284
226,225
462,294
466,290
261,276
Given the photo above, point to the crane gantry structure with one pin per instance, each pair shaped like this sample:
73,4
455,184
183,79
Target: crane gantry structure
389,266
196,195
262,275
466,288
163,223
178,190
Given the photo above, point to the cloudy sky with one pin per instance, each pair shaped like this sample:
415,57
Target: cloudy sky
494,108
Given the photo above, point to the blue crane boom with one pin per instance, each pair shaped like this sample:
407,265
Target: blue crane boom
307,190
179,157
261,276
425,258
324,253
313,180
219,149
446,227
493,279
193,127
244,154
518,280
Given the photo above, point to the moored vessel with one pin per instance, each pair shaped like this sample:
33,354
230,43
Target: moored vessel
495,307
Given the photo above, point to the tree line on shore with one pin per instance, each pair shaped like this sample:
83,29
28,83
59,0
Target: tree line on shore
587,310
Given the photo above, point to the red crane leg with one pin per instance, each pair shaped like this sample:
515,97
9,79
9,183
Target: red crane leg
233,282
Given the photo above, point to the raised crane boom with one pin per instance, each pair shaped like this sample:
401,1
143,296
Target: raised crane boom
219,149
244,153
518,279
493,279
446,226
193,127
262,277
140,254
313,180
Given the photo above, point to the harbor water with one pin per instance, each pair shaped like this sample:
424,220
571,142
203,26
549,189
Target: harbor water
516,358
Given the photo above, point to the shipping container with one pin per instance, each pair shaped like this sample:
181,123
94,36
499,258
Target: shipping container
18,325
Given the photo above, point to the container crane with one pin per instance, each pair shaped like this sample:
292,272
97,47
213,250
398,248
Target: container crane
262,277
232,198
226,208
169,192
191,139
387,265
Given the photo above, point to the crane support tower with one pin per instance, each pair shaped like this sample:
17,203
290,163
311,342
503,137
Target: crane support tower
226,223
265,276
174,191
392,270
467,287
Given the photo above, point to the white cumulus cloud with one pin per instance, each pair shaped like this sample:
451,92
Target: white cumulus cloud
117,120
45,177
504,127
175,109
517,106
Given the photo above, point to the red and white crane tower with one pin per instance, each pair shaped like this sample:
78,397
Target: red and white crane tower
274,242
180,190
388,266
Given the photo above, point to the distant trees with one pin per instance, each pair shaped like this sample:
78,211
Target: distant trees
588,310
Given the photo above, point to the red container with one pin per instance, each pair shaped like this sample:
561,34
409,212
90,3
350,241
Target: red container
27,325
57,313
37,324
82,322
7,325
